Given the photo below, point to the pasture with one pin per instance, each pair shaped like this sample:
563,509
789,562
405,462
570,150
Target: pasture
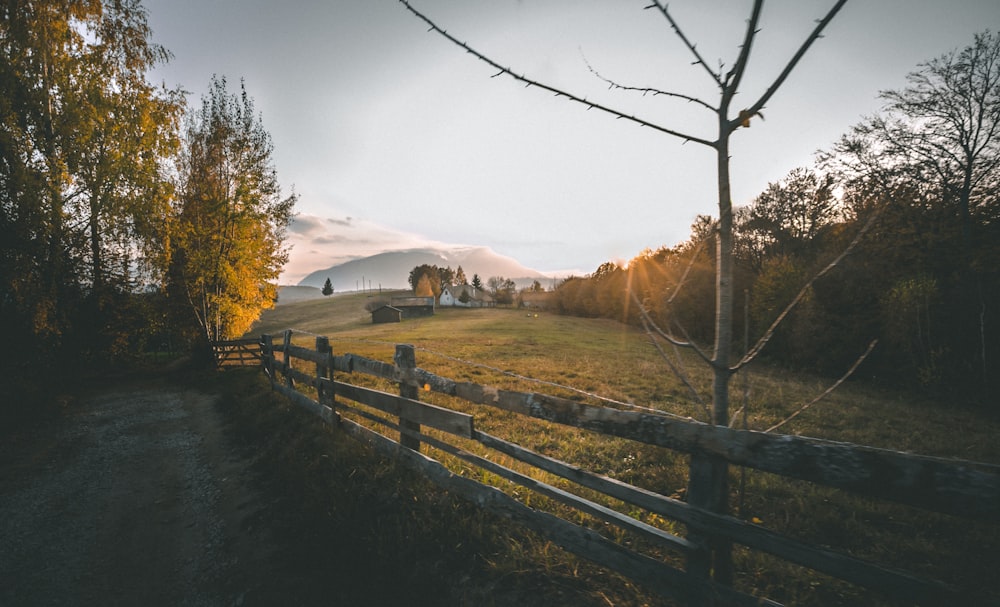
585,358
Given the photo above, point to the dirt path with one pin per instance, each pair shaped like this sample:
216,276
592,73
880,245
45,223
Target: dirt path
135,498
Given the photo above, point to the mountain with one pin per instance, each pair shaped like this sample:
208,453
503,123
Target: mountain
291,294
391,270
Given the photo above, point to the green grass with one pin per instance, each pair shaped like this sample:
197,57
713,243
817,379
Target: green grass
615,361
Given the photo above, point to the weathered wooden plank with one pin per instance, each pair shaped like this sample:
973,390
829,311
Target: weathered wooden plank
937,484
267,356
322,411
301,377
405,359
236,342
425,380
897,584
652,573
236,351
427,414
360,364
288,362
604,513
343,363
308,354
478,394
616,518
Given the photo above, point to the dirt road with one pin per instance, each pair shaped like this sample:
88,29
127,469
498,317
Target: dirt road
136,497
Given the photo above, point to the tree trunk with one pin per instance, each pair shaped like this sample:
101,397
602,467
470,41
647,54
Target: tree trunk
709,476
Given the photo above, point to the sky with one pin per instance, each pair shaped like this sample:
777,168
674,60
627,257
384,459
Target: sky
395,138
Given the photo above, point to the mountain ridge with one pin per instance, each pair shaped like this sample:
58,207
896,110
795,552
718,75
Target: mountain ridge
391,269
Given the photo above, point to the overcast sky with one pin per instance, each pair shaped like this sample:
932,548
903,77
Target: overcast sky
394,138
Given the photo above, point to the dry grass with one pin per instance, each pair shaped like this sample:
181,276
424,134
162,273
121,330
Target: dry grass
493,347
355,528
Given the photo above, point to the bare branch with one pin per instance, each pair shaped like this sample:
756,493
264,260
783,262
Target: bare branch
683,344
679,372
646,90
557,92
771,90
716,77
744,376
733,77
759,346
826,392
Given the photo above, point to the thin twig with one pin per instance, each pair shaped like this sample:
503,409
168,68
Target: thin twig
683,344
717,78
850,372
558,92
645,90
745,373
676,370
771,90
731,83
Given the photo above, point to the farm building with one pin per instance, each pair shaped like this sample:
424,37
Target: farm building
465,296
413,307
386,314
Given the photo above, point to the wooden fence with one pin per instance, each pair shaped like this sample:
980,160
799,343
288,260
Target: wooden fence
935,484
240,352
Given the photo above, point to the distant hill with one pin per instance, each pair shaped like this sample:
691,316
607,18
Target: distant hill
391,270
291,294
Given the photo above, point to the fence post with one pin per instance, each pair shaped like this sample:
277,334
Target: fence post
323,370
707,489
289,382
406,361
267,356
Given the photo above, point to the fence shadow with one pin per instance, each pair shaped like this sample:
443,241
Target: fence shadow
958,488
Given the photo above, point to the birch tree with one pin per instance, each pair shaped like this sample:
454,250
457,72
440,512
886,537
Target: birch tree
83,141
229,232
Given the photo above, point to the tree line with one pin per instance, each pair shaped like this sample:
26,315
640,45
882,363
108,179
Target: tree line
128,221
428,280
917,185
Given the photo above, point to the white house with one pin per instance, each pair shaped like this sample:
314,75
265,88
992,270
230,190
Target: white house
464,296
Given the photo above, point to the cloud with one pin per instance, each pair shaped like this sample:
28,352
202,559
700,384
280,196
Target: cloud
318,242
305,225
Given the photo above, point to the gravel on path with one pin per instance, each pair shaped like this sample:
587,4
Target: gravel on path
136,497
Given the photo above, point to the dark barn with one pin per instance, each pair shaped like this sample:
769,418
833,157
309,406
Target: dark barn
386,314
414,307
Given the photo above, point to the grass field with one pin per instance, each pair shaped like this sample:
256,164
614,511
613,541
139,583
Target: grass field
589,358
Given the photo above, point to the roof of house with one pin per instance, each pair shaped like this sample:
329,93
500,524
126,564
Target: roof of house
473,292
405,302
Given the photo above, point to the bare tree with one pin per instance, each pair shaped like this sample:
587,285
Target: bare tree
708,476
943,131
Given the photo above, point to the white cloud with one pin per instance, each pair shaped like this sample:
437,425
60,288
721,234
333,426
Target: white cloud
319,242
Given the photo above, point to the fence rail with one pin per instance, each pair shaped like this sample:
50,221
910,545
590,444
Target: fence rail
240,352
935,484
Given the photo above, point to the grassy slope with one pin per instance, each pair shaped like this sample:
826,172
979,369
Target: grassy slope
353,528
618,362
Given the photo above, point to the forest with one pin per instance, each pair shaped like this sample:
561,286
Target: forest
130,223
892,238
